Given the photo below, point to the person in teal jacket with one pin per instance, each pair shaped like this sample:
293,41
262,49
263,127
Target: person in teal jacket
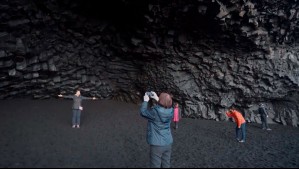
159,135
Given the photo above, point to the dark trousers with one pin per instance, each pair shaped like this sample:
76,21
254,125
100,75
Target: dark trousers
264,122
176,125
241,129
76,117
160,156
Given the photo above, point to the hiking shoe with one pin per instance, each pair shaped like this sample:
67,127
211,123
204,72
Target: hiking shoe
241,141
78,126
73,126
269,129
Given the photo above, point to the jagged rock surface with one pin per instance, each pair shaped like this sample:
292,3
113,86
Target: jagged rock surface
210,55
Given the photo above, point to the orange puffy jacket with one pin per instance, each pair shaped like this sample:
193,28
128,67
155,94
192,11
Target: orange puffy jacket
239,119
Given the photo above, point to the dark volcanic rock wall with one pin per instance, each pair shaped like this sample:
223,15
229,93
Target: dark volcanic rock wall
210,54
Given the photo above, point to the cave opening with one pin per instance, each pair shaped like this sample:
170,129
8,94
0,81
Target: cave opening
200,51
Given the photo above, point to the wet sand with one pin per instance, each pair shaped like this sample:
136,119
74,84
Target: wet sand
38,133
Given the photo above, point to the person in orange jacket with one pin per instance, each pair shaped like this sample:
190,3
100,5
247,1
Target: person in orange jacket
239,119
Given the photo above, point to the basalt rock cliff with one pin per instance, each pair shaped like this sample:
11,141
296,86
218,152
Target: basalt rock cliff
209,54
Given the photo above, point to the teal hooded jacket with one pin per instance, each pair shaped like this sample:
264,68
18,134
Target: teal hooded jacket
158,126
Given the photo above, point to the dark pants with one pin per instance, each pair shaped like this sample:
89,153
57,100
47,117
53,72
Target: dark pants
76,117
264,122
176,125
243,130
160,156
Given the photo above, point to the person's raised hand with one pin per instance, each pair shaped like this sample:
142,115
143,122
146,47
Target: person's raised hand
146,98
154,96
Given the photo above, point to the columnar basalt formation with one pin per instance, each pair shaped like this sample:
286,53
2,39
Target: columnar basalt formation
210,54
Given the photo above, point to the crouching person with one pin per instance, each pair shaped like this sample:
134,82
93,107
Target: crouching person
241,124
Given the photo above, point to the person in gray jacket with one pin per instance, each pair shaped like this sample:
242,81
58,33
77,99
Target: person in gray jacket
264,116
77,106
159,135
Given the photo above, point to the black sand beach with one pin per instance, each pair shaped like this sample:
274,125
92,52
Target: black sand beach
38,133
